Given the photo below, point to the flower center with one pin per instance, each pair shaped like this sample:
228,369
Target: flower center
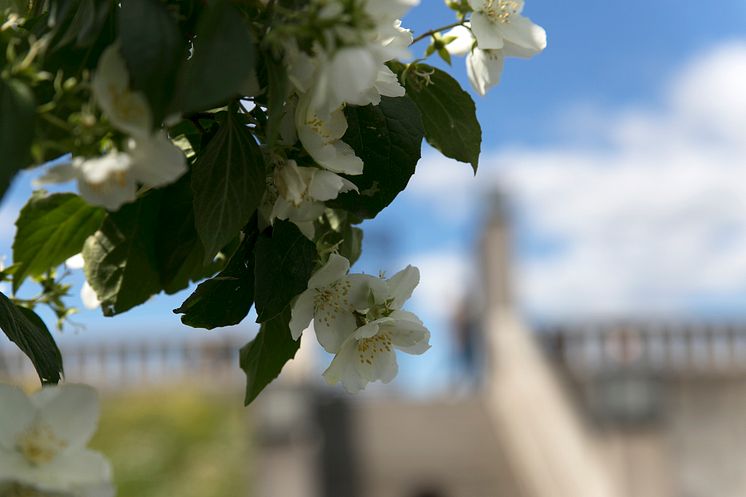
502,10
318,127
331,300
368,348
39,445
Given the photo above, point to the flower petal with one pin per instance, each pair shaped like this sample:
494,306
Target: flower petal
156,161
484,68
126,109
488,35
521,31
73,471
334,328
335,269
408,334
61,173
342,369
16,414
463,43
72,414
512,50
402,284
325,185
301,313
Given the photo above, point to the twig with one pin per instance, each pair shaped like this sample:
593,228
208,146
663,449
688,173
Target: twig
437,30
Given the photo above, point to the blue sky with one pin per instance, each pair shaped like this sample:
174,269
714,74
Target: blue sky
620,154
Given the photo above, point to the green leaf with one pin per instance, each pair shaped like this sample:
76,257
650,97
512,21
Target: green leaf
16,129
153,48
284,262
120,258
222,62
51,228
228,181
263,358
278,82
24,328
179,252
226,299
448,112
388,138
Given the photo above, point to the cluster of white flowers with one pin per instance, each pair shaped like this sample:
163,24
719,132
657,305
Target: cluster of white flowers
359,318
149,157
496,30
43,442
348,68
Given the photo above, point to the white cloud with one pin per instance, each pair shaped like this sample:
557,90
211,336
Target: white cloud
443,279
651,222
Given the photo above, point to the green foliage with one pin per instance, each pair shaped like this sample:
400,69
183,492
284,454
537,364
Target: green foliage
285,260
152,46
388,137
17,116
448,112
78,22
51,228
120,258
178,249
222,64
178,441
226,299
228,181
263,358
221,79
24,328
278,84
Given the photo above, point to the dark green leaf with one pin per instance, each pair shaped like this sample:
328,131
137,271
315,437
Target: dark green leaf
228,182
448,113
278,88
388,138
24,328
284,262
153,48
179,252
17,109
263,358
51,228
227,298
222,63
120,258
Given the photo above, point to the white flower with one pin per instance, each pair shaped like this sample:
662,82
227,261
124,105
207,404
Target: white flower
111,180
483,67
301,184
302,192
496,21
330,301
127,110
321,135
43,443
369,353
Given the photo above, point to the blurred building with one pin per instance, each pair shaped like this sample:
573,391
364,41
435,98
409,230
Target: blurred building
602,409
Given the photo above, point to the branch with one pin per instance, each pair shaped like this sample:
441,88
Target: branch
437,30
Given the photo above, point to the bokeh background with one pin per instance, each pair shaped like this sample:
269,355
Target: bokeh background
619,155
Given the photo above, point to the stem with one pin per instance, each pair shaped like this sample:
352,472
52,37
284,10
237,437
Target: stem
437,30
